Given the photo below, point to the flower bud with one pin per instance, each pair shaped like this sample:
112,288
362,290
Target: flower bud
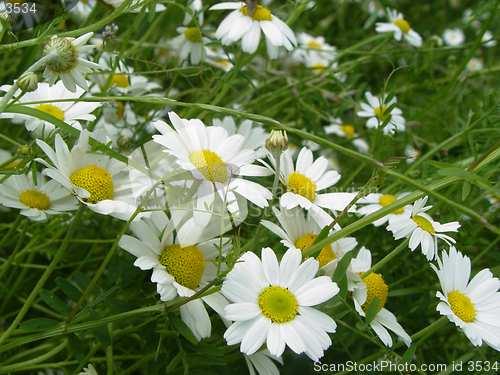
124,142
28,82
6,19
24,151
277,142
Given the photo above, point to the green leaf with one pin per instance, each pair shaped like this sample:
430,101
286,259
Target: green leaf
472,177
76,347
119,306
439,164
39,325
321,236
204,360
342,266
408,356
69,289
175,362
83,281
203,348
372,311
201,372
361,325
54,302
466,190
101,332
182,328
343,285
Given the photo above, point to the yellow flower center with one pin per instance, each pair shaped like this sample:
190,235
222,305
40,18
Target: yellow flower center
375,287
380,113
388,199
348,130
403,25
301,185
318,67
314,44
85,1
193,35
278,304
210,165
185,264
51,110
462,306
35,199
224,63
120,110
424,224
261,13
120,80
325,256
96,180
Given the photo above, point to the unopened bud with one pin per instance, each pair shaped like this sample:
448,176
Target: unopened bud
6,19
124,142
277,142
24,151
28,82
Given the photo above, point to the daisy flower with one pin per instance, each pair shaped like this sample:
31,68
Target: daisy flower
98,181
488,40
347,131
305,180
215,159
190,42
473,306
262,361
216,56
117,3
196,6
181,267
36,201
273,304
82,9
422,230
89,370
412,153
375,202
365,292
453,37
69,112
239,24
65,62
400,27
298,231
314,46
376,110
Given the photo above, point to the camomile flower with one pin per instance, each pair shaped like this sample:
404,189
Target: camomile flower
190,42
255,136
216,160
82,8
36,201
365,292
474,65
305,180
216,56
376,110
488,40
181,267
376,201
453,37
313,46
473,306
196,6
137,9
422,230
97,180
239,24
411,153
400,27
262,361
69,112
347,131
89,370
65,62
273,304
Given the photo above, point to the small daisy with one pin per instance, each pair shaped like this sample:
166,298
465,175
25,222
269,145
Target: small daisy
488,40
117,3
314,46
69,112
375,202
240,25
215,159
98,181
422,230
89,370
453,37
65,62
36,201
216,56
190,42
400,27
411,153
262,361
181,267
473,306
338,128
365,292
273,304
469,18
82,8
376,111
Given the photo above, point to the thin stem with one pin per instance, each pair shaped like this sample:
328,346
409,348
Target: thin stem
387,258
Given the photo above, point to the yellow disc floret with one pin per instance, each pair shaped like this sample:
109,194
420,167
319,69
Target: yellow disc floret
301,185
278,304
120,110
380,113
51,110
314,44
462,306
185,264
387,199
424,224
119,80
96,180
403,25
348,130
261,13
375,287
35,199
324,257
193,35
210,165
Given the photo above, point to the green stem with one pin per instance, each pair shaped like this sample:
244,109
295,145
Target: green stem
36,360
45,276
12,229
387,258
7,265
